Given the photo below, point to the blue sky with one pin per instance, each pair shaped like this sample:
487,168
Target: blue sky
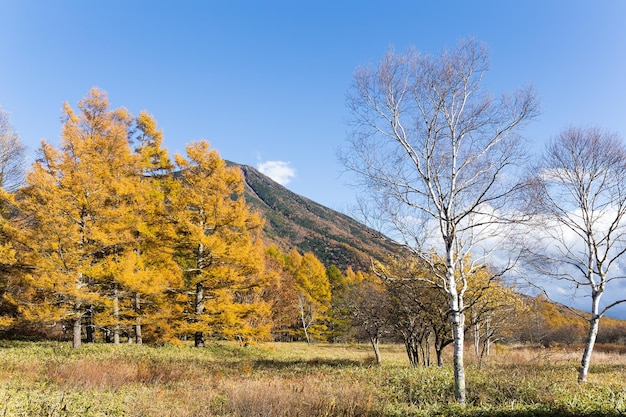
265,81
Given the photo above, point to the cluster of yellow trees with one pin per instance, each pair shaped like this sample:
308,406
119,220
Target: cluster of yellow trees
110,238
109,234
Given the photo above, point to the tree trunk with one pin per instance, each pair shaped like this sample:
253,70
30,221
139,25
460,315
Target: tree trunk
90,328
459,367
412,350
116,317
488,335
477,338
458,331
439,354
306,323
374,341
305,327
591,337
138,335
77,332
199,336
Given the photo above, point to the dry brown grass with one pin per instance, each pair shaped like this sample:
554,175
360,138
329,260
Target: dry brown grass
295,380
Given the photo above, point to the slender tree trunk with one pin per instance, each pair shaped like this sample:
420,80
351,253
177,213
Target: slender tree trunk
458,331
305,327
422,351
459,366
138,335
90,328
374,341
200,259
77,341
439,354
477,338
412,350
116,317
488,335
199,336
594,323
306,323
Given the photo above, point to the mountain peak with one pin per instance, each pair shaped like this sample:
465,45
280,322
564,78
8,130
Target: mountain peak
293,221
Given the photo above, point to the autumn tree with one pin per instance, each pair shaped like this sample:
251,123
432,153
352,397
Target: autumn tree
338,323
79,198
420,310
494,310
218,247
312,290
151,276
11,175
411,321
281,294
547,323
369,307
300,294
436,152
580,198
9,262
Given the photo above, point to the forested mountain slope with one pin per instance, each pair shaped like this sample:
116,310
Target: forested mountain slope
293,221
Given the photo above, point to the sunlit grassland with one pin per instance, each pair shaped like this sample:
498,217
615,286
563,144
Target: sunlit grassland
279,379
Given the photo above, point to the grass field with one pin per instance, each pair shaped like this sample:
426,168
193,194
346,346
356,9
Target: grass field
274,379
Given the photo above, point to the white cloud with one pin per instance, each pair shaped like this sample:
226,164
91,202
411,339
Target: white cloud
280,171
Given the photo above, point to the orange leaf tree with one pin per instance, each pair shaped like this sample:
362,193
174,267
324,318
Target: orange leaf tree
219,248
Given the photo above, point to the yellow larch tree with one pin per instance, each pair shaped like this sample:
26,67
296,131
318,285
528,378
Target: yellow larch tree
9,263
219,248
150,274
80,198
281,294
12,160
313,292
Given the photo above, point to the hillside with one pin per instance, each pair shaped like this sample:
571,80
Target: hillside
293,221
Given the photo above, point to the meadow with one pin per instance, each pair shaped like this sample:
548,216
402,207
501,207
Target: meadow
293,379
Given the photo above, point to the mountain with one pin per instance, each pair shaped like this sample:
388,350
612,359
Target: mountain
294,221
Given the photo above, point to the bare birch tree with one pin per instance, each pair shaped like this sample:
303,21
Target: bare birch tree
580,194
435,151
12,155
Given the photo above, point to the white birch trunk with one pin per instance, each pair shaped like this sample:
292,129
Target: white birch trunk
594,323
458,333
307,319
